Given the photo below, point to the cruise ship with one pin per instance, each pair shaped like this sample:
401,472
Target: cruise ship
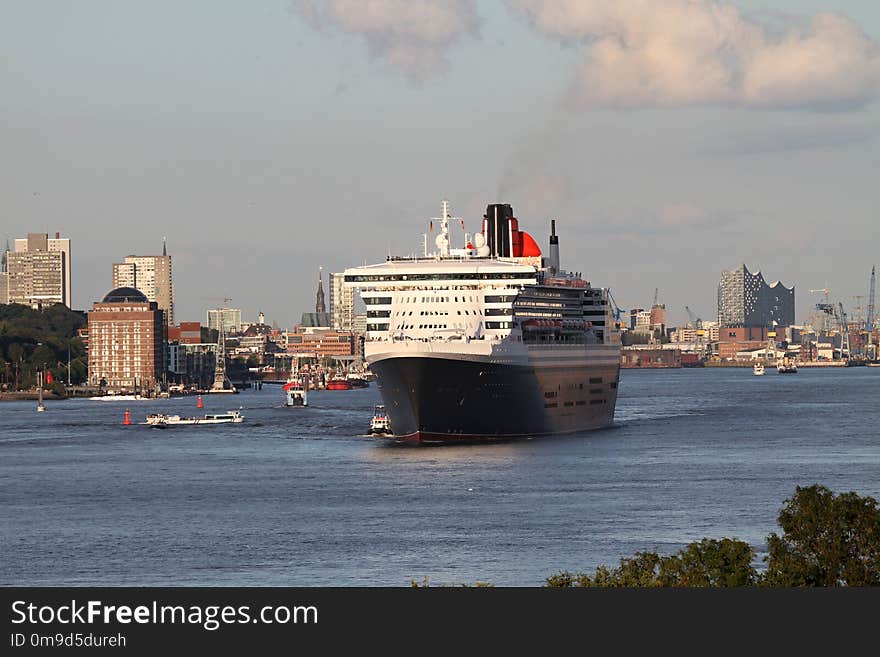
490,340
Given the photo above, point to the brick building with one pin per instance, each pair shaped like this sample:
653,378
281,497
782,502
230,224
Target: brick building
127,341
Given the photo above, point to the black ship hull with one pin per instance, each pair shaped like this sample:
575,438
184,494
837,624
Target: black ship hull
444,400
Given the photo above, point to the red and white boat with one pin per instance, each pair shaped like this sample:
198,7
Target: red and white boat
297,395
339,383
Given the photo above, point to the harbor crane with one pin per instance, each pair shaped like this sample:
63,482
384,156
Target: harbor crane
696,321
616,310
822,307
839,314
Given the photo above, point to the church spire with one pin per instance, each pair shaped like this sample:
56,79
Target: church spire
164,247
319,298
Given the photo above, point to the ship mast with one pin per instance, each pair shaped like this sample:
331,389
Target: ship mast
442,240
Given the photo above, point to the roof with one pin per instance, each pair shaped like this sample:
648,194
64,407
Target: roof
125,294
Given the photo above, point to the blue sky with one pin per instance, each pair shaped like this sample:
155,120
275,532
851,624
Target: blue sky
267,139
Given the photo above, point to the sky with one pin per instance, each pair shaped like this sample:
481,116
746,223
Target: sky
670,139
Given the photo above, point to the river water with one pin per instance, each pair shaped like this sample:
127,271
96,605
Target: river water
299,497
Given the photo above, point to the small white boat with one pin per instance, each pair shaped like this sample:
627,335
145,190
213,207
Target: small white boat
120,398
379,426
758,369
163,420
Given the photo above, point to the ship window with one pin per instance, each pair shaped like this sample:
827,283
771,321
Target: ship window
580,403
568,404
596,380
550,395
552,405
595,391
594,402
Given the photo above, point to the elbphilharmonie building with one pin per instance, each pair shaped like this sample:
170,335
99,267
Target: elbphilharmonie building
746,300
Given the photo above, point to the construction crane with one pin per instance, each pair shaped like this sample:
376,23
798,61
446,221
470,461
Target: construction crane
225,300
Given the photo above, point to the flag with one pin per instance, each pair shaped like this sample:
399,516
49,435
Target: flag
430,226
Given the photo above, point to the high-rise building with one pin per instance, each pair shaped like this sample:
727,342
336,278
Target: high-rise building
127,339
4,276
38,271
152,276
341,303
228,318
746,300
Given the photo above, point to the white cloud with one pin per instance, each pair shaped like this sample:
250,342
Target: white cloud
663,53
413,36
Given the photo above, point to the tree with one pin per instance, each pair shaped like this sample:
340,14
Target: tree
711,563
707,563
827,540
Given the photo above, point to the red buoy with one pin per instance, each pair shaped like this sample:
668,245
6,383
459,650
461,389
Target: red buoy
127,420
199,402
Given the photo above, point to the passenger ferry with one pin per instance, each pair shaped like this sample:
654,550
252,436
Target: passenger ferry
161,420
490,340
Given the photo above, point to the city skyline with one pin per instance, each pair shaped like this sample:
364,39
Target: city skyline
299,136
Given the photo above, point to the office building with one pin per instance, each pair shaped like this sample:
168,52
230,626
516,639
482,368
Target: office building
321,343
227,318
152,276
37,272
341,303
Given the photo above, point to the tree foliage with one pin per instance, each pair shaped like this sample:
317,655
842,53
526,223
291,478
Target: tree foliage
827,540
32,340
707,563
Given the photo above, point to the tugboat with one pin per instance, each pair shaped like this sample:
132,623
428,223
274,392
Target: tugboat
296,394
339,383
379,425
786,366
758,369
357,381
